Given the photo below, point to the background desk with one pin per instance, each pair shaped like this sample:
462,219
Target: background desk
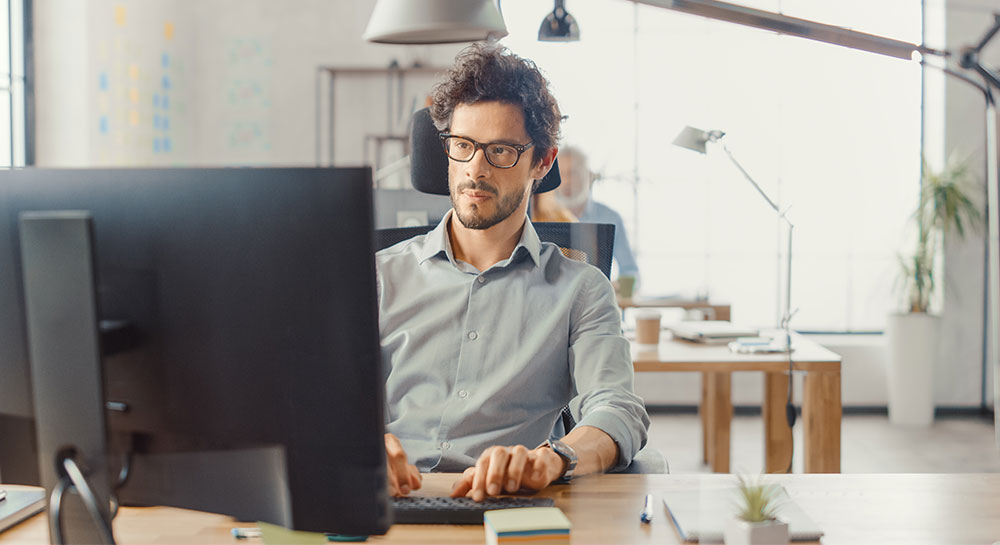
821,404
851,509
714,311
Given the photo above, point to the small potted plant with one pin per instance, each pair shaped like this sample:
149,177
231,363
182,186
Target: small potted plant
756,521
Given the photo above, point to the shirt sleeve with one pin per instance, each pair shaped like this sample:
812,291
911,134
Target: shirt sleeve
601,365
623,251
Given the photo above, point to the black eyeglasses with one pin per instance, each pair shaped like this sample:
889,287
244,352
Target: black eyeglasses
462,149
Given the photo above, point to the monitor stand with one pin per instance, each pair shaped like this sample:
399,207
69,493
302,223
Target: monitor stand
57,260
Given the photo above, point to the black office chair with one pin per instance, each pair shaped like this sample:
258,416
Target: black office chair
588,242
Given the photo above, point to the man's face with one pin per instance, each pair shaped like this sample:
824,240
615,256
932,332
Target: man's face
574,190
484,195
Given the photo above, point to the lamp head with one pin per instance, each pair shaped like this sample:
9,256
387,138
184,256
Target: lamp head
695,139
559,26
434,22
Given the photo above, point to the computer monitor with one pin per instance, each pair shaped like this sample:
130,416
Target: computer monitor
241,361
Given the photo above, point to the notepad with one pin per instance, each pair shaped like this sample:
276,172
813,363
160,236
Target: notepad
535,525
701,515
20,504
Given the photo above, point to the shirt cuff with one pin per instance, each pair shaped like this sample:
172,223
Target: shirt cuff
607,420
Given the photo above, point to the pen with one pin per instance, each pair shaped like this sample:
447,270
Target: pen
647,510
246,533
3,495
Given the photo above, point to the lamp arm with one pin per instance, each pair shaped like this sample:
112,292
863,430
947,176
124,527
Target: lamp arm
751,180
989,34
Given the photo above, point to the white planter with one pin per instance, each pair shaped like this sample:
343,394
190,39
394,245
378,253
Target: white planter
741,532
913,344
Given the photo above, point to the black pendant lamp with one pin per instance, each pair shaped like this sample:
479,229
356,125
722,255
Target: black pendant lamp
559,26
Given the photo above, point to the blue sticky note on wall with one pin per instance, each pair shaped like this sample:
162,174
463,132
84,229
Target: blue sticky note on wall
102,81
165,60
167,145
166,82
156,145
103,124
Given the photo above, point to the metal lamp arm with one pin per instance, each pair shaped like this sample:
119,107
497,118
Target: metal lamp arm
751,180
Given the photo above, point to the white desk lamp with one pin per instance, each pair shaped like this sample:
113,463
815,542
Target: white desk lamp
696,140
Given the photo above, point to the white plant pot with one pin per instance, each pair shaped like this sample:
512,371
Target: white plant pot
913,344
741,532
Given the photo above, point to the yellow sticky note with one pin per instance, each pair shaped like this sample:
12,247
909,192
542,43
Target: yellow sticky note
168,30
133,117
133,95
274,534
133,71
120,15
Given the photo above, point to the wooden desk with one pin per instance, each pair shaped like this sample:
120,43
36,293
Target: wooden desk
715,311
850,509
821,404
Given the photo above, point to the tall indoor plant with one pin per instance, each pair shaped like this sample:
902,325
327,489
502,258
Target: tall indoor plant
945,208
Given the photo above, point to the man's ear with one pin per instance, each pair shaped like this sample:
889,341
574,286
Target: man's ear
542,168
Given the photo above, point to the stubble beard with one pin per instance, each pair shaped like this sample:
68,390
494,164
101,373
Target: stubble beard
471,218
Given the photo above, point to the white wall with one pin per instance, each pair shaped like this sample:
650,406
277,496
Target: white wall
242,77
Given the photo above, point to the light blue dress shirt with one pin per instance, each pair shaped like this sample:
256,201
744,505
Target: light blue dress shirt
596,212
476,359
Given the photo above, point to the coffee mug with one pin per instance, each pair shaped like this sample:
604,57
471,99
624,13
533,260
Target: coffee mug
647,327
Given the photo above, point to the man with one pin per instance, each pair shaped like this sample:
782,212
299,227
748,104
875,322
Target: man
486,332
574,193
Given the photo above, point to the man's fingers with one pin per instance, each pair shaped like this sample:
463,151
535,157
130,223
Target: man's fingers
515,469
479,479
398,470
497,471
464,484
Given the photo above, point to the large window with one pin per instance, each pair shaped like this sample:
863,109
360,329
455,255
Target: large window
831,132
14,149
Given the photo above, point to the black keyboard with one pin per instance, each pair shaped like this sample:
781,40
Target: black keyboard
444,510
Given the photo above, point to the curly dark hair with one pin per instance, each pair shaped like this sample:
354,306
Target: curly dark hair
484,72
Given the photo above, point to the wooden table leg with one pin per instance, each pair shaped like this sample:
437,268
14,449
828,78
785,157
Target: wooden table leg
719,404
703,412
777,435
821,411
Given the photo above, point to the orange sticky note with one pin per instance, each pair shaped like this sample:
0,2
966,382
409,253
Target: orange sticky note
168,30
120,15
133,117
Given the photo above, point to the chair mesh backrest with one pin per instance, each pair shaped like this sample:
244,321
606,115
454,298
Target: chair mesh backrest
593,243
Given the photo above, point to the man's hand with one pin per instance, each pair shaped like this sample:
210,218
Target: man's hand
505,470
403,476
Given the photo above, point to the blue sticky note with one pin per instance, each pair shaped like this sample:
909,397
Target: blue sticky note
102,80
166,82
165,102
165,123
156,145
156,121
156,100
165,60
104,124
167,146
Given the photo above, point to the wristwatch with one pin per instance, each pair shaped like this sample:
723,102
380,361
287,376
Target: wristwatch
567,453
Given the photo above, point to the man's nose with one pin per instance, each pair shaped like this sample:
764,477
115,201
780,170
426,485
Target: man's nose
478,166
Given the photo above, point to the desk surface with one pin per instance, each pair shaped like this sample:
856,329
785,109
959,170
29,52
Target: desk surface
678,355
911,509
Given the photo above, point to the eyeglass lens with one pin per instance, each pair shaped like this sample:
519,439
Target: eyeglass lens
462,149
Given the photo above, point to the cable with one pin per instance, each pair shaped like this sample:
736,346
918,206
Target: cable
72,477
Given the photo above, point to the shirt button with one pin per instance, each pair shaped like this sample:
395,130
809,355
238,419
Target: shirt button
473,335
463,394
481,280
445,446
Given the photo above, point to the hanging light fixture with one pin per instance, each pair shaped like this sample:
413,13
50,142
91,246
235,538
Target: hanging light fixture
559,26
434,21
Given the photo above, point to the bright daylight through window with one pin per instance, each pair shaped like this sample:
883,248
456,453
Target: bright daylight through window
13,111
832,132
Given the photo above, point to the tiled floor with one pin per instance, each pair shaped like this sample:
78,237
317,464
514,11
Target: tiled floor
869,444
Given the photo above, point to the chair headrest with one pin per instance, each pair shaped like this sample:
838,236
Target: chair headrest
429,164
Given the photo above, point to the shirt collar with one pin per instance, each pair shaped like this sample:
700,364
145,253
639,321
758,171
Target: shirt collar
438,242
